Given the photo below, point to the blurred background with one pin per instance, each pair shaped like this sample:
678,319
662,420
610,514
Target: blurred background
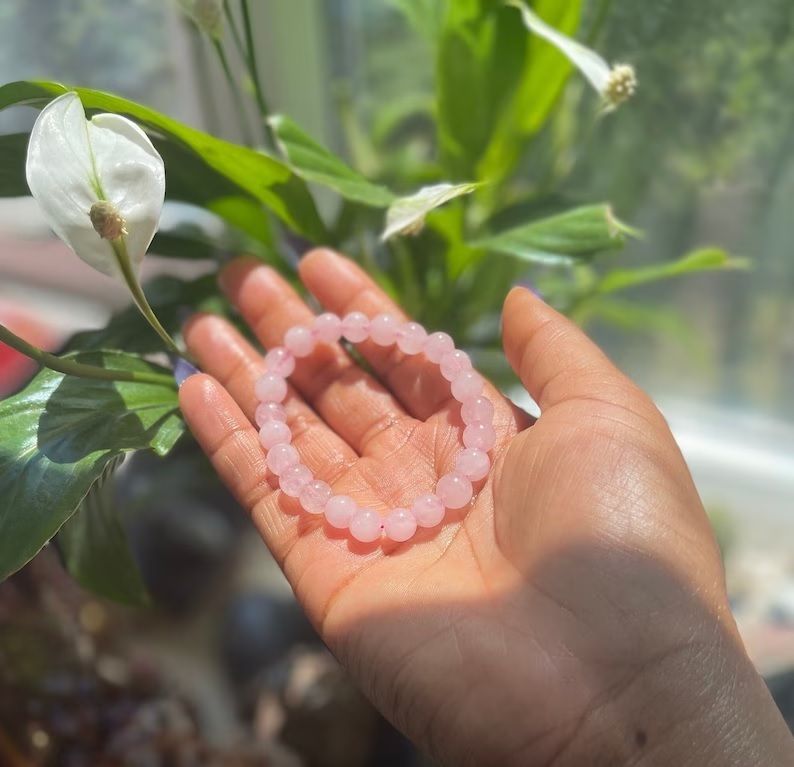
222,669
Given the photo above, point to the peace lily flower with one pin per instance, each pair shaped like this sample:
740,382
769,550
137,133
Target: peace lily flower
100,185
614,84
406,215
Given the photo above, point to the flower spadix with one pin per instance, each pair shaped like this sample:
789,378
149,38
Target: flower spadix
100,184
614,84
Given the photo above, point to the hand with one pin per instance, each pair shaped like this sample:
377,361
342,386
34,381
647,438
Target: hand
575,612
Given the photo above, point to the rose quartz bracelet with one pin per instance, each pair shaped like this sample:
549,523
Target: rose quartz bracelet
453,491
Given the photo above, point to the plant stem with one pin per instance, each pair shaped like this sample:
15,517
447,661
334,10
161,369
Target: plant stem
238,102
70,367
253,70
238,41
123,260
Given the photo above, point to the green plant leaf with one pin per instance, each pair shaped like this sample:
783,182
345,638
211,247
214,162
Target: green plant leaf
171,299
314,162
261,176
94,546
576,234
425,16
59,434
702,260
406,215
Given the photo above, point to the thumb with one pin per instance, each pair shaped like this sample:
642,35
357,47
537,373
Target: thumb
554,358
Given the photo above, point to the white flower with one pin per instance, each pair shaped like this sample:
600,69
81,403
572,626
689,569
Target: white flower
406,215
100,183
614,84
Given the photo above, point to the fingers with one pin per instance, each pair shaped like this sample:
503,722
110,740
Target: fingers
342,287
352,403
223,353
554,359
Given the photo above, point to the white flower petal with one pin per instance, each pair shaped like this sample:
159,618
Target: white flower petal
73,163
591,65
406,215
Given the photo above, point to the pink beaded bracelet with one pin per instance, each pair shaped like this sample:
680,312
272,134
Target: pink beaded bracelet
453,491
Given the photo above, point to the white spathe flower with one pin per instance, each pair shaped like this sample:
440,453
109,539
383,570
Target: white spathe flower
614,84
100,183
406,215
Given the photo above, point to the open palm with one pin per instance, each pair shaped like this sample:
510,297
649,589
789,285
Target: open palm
522,623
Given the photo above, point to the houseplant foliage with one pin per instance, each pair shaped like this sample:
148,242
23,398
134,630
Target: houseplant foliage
448,200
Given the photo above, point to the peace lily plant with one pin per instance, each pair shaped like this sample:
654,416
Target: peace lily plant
445,218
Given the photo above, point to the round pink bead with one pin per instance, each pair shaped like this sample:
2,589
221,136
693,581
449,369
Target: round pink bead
480,435
467,385
327,327
293,479
270,387
340,510
383,329
454,490
428,510
299,341
477,409
280,361
437,345
365,525
454,363
400,525
269,411
280,457
272,433
314,495
411,337
473,464
355,327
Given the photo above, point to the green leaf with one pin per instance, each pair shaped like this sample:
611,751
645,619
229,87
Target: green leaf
171,299
702,260
425,16
59,434
314,162
576,234
13,148
95,548
261,176
406,215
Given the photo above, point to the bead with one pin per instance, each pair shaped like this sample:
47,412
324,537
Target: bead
365,525
411,337
454,490
473,464
437,345
480,435
273,433
477,409
293,479
340,510
300,341
280,457
269,411
327,327
355,327
383,329
280,361
454,363
428,510
314,495
270,387
400,525
467,385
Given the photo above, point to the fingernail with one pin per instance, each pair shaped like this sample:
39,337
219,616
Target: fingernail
183,370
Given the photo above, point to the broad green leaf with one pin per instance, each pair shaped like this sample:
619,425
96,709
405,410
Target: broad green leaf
95,549
263,177
314,162
172,300
576,234
702,260
406,215
59,434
